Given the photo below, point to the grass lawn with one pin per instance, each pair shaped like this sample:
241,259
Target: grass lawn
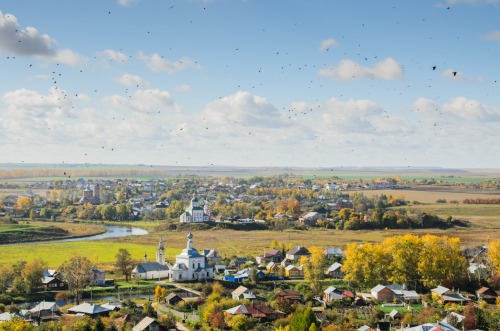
17,227
404,310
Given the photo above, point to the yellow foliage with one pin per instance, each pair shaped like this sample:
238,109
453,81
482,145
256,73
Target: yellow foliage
494,255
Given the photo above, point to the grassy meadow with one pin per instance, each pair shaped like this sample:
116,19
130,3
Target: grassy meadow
228,242
430,196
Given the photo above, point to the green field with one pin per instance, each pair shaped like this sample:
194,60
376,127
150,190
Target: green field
5,228
231,243
480,216
102,253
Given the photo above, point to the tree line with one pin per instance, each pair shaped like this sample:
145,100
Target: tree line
426,261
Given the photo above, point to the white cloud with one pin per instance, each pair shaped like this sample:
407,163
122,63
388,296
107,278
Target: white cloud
26,41
493,35
131,80
145,101
459,108
158,64
243,108
471,110
113,55
183,88
327,44
126,3
69,57
387,69
460,76
24,101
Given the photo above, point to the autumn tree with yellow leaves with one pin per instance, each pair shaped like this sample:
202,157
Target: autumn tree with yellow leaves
314,268
408,259
494,255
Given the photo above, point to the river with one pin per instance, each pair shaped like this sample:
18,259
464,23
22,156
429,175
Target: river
112,231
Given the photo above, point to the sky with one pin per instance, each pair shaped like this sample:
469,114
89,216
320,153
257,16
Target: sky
284,83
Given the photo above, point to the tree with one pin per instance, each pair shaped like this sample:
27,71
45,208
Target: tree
17,324
33,275
175,209
6,276
366,264
160,293
149,310
217,320
123,211
302,319
405,252
23,204
108,212
241,322
440,260
494,255
314,269
77,272
124,263
46,213
168,320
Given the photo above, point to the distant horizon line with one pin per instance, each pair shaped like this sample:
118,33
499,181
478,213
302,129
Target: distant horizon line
340,168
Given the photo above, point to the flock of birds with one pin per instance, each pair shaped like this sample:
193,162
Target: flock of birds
69,102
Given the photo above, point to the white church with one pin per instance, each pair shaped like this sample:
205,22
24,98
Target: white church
190,265
153,270
195,212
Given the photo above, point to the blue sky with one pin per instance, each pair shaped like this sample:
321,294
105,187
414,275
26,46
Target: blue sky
251,83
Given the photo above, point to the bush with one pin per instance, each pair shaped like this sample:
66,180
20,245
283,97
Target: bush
168,320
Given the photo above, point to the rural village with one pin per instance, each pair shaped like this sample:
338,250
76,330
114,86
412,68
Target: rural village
407,282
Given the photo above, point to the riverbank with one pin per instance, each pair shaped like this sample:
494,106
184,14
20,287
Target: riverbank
37,231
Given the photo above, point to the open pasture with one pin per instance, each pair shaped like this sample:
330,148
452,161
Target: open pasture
228,242
430,196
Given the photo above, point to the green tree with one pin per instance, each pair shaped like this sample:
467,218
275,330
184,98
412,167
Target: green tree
175,209
108,212
77,272
46,213
124,263
168,320
149,310
6,275
123,211
302,319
